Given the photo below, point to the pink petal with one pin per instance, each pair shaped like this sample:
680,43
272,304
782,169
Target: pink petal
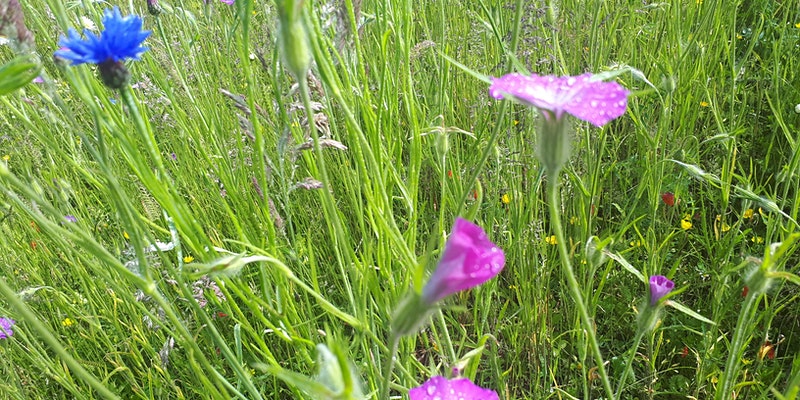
596,102
439,388
469,259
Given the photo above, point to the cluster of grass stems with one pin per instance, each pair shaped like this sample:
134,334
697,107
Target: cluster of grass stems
218,154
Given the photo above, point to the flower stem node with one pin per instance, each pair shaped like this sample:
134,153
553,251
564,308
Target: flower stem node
758,281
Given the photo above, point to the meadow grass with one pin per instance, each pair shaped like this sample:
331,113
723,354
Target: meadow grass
222,230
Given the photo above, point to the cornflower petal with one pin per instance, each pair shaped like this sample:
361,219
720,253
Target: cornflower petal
120,39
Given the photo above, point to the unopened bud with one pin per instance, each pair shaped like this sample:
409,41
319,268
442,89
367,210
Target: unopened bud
294,38
114,73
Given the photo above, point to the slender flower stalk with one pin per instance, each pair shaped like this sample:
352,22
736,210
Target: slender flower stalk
659,286
587,99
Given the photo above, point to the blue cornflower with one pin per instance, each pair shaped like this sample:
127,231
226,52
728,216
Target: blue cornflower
121,38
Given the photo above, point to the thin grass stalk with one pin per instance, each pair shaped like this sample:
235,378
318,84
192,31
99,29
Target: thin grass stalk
37,325
554,206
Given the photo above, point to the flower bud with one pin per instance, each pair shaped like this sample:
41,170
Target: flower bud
114,73
294,38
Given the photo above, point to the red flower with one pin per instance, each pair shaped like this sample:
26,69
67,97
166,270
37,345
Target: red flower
668,198
745,291
767,350
449,173
685,352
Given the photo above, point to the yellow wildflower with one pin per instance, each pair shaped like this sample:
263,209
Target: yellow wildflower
686,224
551,240
740,37
636,243
720,226
506,199
125,235
188,259
704,104
67,322
748,214
6,157
757,239
573,220
797,25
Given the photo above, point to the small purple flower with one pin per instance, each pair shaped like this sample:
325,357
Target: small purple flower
70,218
469,260
590,100
38,79
5,327
228,2
440,388
660,286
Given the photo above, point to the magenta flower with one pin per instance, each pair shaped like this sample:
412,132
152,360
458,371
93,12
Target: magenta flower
440,388
660,286
5,327
469,260
228,2
596,102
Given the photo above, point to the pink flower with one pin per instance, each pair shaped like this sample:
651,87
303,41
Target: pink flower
440,388
5,327
594,101
469,260
228,2
660,286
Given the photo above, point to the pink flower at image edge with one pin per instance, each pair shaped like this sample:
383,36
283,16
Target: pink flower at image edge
228,2
440,388
593,101
469,259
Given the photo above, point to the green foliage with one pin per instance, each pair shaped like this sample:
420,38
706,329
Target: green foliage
17,73
229,218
